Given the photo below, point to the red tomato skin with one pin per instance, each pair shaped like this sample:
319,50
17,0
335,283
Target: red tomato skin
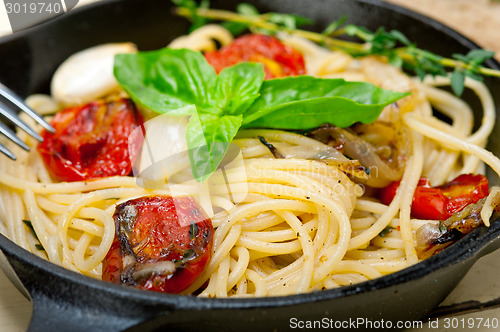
429,203
386,194
464,190
161,231
279,60
113,264
92,141
439,203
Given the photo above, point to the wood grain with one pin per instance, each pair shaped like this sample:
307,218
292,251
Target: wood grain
478,20
15,309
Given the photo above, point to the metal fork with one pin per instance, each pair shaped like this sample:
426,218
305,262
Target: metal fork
10,112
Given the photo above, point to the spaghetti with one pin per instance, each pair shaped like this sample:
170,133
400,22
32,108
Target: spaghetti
302,224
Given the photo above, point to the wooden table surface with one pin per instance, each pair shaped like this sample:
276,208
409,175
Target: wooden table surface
481,283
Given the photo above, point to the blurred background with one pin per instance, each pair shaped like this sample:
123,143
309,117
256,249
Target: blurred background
478,20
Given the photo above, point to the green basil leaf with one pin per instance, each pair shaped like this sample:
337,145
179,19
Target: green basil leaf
307,114
167,79
306,102
208,138
237,87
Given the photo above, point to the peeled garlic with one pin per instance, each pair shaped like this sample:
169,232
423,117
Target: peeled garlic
88,74
42,104
203,39
164,141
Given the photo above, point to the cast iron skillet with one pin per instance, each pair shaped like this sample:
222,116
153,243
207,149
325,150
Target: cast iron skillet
67,301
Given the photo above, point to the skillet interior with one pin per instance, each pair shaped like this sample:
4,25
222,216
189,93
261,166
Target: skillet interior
67,300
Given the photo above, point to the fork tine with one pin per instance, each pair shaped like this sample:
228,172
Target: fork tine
13,98
12,117
12,136
7,152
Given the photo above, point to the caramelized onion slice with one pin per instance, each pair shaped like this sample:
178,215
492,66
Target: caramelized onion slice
432,238
381,171
324,153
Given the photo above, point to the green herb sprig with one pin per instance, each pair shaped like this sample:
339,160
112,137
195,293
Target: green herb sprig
393,45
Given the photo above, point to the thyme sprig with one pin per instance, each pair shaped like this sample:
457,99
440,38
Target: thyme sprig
393,44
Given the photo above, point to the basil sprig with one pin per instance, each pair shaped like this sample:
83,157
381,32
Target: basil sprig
167,80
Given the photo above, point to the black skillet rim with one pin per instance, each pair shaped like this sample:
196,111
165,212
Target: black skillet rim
471,246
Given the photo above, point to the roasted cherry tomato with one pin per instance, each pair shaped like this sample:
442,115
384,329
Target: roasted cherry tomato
162,243
279,60
92,141
464,190
439,203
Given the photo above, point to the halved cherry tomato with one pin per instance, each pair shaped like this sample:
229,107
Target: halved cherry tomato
162,243
279,60
92,141
439,203
464,190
